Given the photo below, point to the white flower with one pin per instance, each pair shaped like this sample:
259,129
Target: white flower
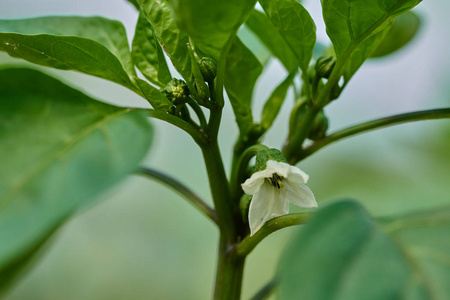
272,189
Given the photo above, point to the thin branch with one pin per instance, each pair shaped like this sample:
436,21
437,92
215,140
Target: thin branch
250,242
443,113
193,198
266,290
238,169
198,111
198,137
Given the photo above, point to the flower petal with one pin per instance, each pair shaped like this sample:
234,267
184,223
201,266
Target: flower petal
296,175
299,194
280,168
265,205
252,185
281,207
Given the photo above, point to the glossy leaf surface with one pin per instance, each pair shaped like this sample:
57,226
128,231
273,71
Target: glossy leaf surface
212,23
260,24
92,45
242,71
357,27
254,44
273,104
173,40
148,55
296,27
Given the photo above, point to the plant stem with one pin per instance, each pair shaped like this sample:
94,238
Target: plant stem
230,267
230,270
219,189
198,137
193,198
198,111
308,119
239,168
250,242
443,113
265,291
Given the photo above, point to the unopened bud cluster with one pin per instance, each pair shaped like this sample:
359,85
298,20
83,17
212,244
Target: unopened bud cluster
176,91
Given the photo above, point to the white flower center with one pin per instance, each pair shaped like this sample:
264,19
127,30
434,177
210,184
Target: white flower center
276,181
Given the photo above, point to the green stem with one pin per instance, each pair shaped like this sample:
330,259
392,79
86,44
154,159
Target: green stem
308,119
198,137
230,270
220,79
443,113
192,198
198,111
212,90
185,115
239,168
250,242
265,291
230,267
219,189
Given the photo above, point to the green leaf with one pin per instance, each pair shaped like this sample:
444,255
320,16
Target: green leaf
260,24
273,104
357,27
148,55
173,40
154,96
344,254
211,23
254,45
59,149
134,3
92,45
403,30
296,27
242,71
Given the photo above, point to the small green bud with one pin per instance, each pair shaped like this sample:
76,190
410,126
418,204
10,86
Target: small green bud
263,156
244,205
319,128
297,113
176,91
324,66
208,68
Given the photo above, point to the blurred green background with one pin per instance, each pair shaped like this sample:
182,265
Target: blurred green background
142,241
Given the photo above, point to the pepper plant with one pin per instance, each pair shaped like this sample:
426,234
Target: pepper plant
59,148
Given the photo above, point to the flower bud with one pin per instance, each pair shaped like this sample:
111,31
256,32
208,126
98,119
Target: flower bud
176,91
263,156
324,66
208,68
319,127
